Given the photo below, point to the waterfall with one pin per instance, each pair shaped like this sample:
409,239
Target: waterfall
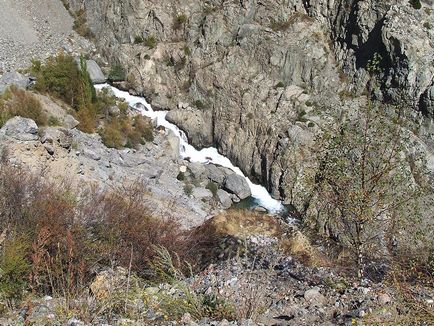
205,155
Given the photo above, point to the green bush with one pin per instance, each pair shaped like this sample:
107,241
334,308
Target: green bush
416,4
14,268
63,78
279,85
117,73
125,131
138,39
199,104
150,42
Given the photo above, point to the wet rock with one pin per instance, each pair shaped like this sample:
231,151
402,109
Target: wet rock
237,185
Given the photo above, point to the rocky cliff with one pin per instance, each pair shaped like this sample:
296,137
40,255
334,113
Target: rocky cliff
258,79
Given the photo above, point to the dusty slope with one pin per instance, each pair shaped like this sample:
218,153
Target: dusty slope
35,28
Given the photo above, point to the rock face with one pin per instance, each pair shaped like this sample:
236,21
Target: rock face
254,78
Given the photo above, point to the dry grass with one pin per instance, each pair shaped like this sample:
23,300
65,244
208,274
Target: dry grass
244,223
299,246
18,102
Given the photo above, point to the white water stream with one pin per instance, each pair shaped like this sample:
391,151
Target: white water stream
205,155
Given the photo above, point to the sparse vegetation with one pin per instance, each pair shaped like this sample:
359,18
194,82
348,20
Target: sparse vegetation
150,41
138,39
279,85
80,24
213,187
117,73
199,104
364,191
180,21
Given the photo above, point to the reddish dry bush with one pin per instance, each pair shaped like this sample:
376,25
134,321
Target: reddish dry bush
121,224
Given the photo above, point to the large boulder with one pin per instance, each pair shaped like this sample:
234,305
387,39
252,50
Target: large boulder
217,173
13,78
237,185
21,129
95,72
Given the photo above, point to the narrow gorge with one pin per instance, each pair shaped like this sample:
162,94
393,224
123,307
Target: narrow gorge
216,162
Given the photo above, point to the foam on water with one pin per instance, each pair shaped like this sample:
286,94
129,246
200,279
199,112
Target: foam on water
205,155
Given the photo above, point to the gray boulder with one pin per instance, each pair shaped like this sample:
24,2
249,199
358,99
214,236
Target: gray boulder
216,173
21,129
202,193
61,137
95,72
237,185
224,198
13,78
197,170
70,122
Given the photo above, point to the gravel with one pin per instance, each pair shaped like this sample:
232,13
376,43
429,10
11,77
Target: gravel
35,29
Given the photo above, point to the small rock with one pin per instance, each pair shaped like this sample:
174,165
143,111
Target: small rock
75,322
383,299
183,169
49,149
114,111
314,296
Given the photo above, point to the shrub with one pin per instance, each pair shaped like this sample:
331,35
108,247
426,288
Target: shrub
279,85
126,131
22,103
180,21
138,39
199,104
117,73
150,42
14,267
415,4
54,239
63,78
188,189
